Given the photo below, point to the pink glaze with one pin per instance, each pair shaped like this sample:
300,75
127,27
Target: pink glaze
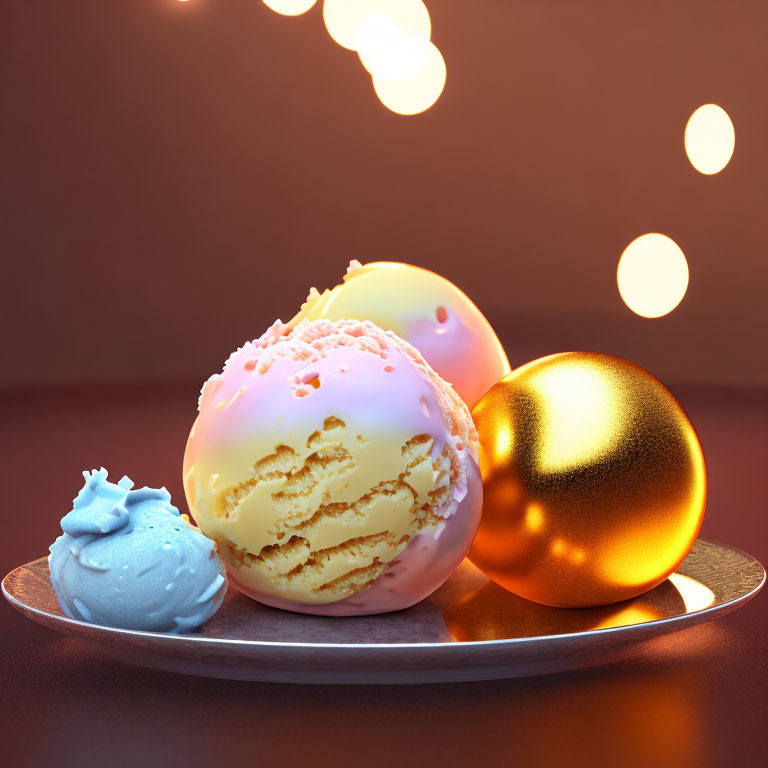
426,310
461,349
388,392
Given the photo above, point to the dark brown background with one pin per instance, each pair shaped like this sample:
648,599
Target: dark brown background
175,175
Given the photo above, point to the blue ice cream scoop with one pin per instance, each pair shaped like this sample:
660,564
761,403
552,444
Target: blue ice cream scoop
128,559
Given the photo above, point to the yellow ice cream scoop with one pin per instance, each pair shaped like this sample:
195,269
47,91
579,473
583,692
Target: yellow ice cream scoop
335,469
426,310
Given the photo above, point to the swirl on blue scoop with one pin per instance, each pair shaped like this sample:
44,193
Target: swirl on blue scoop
128,559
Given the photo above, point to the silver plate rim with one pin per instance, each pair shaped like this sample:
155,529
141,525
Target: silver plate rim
195,640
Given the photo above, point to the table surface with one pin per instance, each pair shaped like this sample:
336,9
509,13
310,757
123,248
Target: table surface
695,698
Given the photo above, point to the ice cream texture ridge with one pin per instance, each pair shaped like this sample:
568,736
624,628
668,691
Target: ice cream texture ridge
336,470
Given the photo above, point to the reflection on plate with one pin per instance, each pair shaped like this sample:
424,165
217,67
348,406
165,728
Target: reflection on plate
490,612
470,629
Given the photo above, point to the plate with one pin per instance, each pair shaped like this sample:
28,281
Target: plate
469,629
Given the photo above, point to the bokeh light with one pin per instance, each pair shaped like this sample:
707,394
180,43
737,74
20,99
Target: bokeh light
709,139
344,17
652,275
376,34
289,7
409,77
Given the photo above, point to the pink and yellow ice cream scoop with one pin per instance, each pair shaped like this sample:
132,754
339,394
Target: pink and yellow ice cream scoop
336,470
426,310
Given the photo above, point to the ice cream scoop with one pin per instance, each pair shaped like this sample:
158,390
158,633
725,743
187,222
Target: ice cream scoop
426,310
128,559
336,470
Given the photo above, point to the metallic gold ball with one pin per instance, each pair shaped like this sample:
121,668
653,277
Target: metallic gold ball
594,481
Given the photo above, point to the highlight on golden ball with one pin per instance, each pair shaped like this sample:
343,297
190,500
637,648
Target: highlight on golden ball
594,481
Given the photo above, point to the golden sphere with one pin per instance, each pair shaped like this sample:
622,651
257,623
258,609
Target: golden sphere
594,481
